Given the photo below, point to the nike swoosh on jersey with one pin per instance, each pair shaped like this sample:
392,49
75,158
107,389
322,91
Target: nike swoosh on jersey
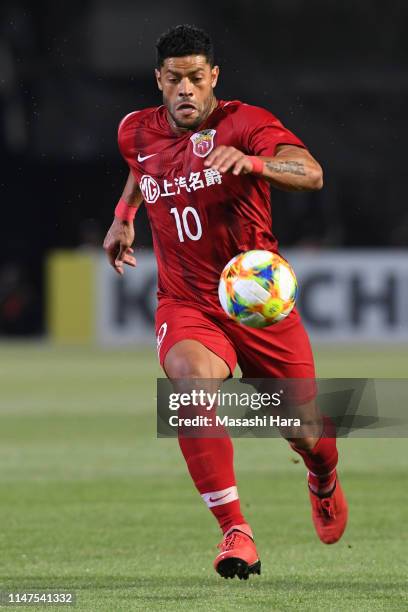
141,158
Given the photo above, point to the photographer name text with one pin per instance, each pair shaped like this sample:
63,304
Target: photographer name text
227,421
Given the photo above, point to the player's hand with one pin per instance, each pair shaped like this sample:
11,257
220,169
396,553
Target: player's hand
229,159
118,245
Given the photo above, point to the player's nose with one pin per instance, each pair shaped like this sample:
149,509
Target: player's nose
185,88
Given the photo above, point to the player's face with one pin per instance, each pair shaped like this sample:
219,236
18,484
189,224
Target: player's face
187,84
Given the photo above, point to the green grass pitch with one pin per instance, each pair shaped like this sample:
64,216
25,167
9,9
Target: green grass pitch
92,502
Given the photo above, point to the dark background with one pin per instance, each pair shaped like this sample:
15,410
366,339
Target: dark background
334,72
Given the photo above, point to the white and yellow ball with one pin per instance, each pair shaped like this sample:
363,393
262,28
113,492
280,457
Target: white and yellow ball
257,288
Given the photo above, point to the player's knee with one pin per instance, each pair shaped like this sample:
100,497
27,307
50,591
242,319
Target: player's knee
306,444
186,366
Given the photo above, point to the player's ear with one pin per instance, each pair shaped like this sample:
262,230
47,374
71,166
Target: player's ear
215,71
158,79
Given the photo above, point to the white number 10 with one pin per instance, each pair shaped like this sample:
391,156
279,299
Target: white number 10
184,221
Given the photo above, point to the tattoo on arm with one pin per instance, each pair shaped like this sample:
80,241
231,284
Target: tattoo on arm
289,167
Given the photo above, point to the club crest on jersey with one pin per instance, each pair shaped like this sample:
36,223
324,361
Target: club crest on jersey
203,142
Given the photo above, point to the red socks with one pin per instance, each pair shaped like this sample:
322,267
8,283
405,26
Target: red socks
321,461
210,463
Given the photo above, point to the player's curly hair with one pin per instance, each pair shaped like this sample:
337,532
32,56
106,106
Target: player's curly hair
184,40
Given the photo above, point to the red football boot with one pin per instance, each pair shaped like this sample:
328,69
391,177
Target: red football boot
238,556
329,514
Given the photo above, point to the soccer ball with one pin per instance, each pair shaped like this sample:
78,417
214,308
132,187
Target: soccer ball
257,288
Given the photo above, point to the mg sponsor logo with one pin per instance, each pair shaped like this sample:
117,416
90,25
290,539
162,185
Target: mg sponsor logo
149,188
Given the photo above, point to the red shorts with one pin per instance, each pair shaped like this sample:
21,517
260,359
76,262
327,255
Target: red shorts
279,351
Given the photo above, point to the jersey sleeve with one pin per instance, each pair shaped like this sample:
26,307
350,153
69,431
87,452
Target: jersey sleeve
262,132
126,137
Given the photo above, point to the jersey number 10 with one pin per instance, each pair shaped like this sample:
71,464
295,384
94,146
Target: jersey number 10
185,224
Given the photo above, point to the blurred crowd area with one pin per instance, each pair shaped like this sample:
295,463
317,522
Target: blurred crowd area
333,72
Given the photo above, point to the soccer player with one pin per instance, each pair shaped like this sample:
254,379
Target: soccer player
204,168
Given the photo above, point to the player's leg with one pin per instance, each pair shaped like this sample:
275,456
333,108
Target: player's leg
209,459
283,351
318,450
329,505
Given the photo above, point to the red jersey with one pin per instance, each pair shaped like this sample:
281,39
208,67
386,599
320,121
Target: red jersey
199,217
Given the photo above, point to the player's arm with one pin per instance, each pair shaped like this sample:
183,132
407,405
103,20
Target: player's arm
121,234
292,168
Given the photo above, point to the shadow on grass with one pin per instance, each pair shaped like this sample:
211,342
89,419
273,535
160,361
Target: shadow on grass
291,584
